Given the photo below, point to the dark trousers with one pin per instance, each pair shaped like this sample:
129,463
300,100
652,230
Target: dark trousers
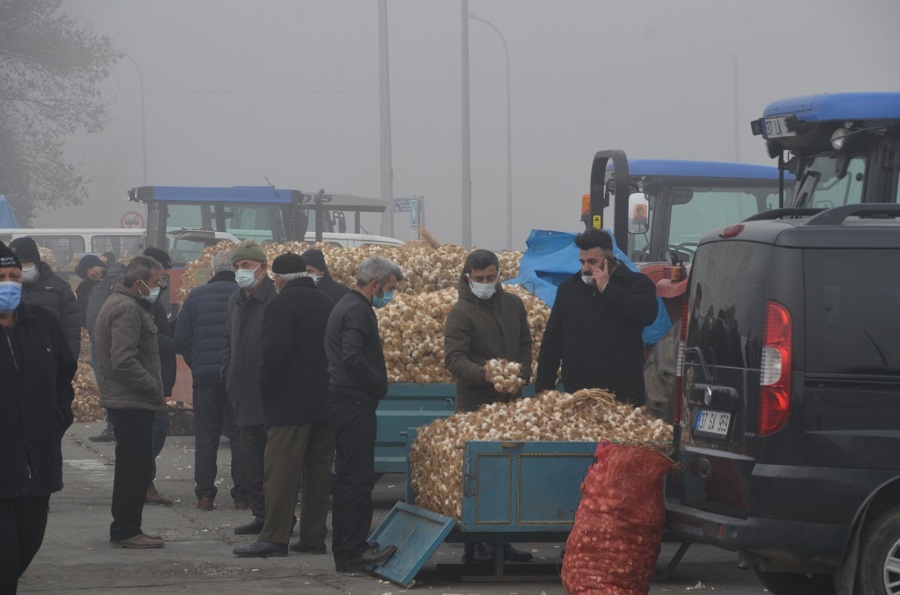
160,431
355,428
253,453
134,466
213,416
289,450
22,525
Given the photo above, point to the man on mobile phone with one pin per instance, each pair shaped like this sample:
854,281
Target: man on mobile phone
595,325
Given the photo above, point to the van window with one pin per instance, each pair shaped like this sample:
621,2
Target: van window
852,314
124,247
725,320
66,249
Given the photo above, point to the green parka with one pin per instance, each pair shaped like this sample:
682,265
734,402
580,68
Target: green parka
480,330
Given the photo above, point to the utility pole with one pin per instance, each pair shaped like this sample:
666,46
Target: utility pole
387,167
466,156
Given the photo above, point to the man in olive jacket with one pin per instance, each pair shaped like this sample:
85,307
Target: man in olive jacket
36,370
240,369
131,389
490,325
485,323
293,381
595,325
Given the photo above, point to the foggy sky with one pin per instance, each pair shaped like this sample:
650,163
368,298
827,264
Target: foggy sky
238,91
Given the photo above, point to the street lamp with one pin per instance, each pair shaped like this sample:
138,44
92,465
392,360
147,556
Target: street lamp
509,231
143,117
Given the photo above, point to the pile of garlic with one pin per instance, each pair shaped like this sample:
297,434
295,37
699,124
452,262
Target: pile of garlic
425,269
412,324
505,375
589,415
412,333
86,405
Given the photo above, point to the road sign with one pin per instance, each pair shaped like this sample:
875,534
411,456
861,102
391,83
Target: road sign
131,220
402,205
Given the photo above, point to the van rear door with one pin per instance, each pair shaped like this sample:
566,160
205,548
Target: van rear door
722,373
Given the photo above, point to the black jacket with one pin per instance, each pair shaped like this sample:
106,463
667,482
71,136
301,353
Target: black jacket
293,377
36,368
355,358
54,294
165,337
200,328
332,288
101,290
598,336
83,297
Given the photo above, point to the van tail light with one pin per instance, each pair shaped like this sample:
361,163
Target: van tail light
775,389
679,365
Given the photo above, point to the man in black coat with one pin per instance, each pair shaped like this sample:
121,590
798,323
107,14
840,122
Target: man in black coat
36,368
318,270
42,287
200,337
596,323
293,382
357,382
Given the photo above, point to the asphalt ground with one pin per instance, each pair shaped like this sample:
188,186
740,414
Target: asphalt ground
77,557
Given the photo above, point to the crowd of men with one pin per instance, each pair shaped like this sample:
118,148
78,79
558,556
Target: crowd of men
287,364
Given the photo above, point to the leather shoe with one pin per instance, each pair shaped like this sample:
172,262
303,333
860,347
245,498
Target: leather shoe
205,503
138,542
241,504
104,436
262,549
371,557
302,548
483,552
154,497
254,527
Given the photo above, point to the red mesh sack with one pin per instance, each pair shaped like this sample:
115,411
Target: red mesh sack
615,539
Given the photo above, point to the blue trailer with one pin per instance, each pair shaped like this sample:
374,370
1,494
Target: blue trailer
507,497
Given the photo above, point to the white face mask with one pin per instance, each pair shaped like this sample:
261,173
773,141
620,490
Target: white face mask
588,279
29,273
246,278
483,291
154,293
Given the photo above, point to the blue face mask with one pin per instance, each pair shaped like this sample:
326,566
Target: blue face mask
381,302
10,296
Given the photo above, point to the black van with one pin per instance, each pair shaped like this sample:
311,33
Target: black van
788,410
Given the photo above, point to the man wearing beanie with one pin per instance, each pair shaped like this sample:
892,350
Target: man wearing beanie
37,368
315,266
90,269
294,386
42,287
240,369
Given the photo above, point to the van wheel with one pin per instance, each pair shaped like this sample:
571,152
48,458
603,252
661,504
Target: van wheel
879,559
795,583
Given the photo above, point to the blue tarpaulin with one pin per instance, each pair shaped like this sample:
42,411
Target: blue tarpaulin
7,216
552,257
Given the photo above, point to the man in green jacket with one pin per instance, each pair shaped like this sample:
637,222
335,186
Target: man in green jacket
485,323
131,389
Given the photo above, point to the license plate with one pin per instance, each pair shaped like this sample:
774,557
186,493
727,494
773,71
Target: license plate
777,127
713,422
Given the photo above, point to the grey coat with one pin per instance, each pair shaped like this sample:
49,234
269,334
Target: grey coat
242,353
128,353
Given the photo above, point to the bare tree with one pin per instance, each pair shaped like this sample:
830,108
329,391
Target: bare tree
50,70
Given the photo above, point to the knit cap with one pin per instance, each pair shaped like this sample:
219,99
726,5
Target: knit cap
248,250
